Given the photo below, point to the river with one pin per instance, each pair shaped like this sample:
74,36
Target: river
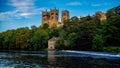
59,59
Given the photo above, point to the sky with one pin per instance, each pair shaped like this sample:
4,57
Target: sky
26,13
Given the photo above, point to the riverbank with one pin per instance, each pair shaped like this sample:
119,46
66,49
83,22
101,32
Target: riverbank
105,49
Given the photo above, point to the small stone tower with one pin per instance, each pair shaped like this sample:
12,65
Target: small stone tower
45,17
53,21
65,15
100,15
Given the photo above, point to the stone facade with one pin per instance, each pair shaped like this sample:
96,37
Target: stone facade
51,43
100,15
52,17
53,21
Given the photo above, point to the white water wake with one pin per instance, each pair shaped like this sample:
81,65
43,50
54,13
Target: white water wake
102,54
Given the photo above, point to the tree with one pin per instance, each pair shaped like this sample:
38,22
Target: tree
112,29
71,25
98,42
7,44
71,40
62,33
33,27
88,28
1,40
75,19
45,26
39,39
60,44
53,32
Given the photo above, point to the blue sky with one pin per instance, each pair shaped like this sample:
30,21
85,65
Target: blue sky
25,13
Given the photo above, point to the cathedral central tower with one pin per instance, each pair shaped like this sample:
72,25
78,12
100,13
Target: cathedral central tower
53,17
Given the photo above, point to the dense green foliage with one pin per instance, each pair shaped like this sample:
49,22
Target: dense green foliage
60,44
98,42
85,33
24,39
39,39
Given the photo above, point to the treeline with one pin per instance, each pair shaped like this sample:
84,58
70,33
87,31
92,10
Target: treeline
24,39
85,33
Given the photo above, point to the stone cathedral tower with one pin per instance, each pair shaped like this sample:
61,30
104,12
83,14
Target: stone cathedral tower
65,15
53,17
45,17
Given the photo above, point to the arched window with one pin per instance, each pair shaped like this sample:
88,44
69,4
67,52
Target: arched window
56,13
52,13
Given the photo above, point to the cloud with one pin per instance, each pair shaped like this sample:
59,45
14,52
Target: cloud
22,9
26,14
8,15
22,5
96,4
103,4
74,3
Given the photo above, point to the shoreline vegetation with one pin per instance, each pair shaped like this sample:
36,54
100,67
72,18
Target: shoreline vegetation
87,33
105,49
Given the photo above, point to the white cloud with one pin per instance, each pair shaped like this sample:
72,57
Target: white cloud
8,15
22,5
74,3
23,9
26,14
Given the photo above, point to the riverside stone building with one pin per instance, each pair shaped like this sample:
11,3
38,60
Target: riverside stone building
52,17
51,43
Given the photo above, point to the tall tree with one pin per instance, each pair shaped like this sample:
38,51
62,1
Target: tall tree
39,40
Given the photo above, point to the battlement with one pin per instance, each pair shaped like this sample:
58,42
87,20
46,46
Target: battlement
65,11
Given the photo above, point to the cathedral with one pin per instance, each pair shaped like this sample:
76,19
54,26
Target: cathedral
51,18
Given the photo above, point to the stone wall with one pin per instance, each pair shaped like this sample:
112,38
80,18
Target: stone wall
51,45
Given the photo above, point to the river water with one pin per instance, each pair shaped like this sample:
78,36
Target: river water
59,59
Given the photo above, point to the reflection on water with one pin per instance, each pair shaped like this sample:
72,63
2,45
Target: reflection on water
51,57
59,59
